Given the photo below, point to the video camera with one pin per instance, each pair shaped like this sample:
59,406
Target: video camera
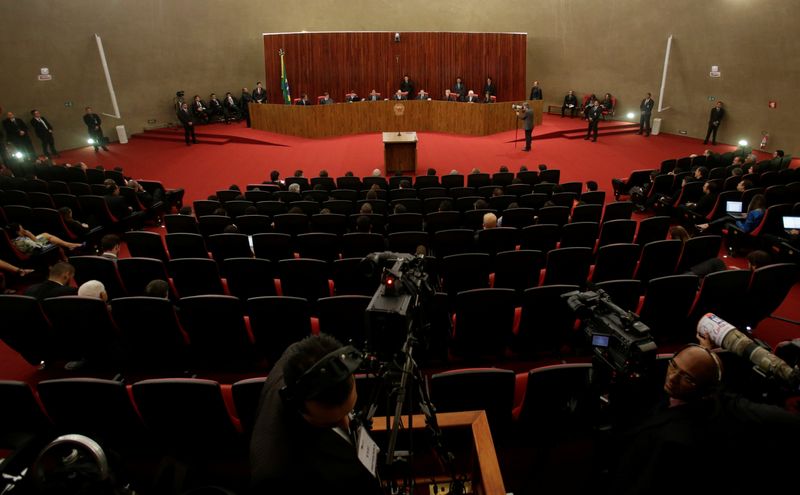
404,286
516,107
618,338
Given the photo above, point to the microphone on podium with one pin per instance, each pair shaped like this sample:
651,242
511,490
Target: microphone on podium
728,337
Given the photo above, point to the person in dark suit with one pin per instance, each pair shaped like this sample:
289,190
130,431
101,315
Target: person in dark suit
199,110
326,99
407,86
536,92
117,204
303,101
423,95
525,114
352,97
57,283
571,103
303,439
449,95
93,123
231,107
374,96
17,134
646,110
472,97
714,120
244,102
259,94
459,89
593,115
215,108
399,96
187,120
489,87
44,131
487,98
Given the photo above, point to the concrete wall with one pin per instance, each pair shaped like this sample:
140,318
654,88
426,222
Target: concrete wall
155,47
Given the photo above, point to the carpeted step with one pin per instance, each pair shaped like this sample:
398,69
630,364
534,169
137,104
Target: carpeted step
178,138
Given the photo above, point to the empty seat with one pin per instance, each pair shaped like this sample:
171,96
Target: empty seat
99,268
546,322
254,224
21,418
724,294
83,329
181,224
183,245
618,210
579,234
25,329
213,224
216,329
540,237
332,223
492,241
318,245
273,246
652,229
518,270
408,241
304,278
558,215
617,231
453,241
151,333
246,397
144,244
487,389
568,266
278,322
349,278
615,262
659,259
195,276
587,213
768,288
360,244
666,307
404,222
224,246
461,272
484,322
249,277
344,317
699,249
136,273
623,293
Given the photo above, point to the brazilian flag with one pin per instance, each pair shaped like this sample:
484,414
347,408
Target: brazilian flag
287,96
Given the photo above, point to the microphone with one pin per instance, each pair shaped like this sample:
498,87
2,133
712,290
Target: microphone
731,339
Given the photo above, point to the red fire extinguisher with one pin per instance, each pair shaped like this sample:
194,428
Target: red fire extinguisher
764,141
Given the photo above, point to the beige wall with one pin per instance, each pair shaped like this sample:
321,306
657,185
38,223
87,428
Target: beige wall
157,47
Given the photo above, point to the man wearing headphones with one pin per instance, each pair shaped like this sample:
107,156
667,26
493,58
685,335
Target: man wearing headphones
302,440
700,435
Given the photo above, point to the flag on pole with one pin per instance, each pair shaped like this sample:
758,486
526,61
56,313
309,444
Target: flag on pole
287,96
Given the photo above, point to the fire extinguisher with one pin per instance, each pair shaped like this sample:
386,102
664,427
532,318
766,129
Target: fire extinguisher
764,141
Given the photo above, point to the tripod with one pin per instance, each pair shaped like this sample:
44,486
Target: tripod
411,381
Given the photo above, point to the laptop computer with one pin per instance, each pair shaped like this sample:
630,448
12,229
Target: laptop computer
791,223
734,209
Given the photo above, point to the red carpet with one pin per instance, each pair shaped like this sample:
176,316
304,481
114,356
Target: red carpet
233,154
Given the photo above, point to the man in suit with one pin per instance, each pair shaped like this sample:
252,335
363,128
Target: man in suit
459,89
448,95
407,87
93,123
352,97
44,131
593,115
525,114
215,108
110,245
117,204
714,119
571,103
259,94
423,95
187,120
472,97
536,92
303,101
231,107
646,109
487,97
244,101
374,96
399,96
57,283
17,134
489,87
326,99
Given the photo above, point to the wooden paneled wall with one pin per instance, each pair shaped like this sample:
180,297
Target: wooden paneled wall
360,61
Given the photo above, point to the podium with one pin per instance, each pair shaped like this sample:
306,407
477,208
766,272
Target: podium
467,435
399,152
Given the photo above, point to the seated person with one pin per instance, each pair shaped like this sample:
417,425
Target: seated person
215,109
607,104
199,109
448,95
399,96
303,100
571,103
472,97
352,97
374,96
57,283
487,97
423,95
231,107
116,203
326,99
79,229
755,212
459,89
27,243
703,206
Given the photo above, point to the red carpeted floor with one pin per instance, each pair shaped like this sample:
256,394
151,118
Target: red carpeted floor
233,154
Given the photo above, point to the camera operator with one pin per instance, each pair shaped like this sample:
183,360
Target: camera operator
303,441
525,114
700,436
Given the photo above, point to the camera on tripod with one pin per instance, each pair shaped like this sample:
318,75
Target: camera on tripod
619,339
405,288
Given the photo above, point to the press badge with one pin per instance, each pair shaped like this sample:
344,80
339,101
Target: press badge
367,450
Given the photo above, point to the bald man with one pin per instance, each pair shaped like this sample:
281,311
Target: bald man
699,434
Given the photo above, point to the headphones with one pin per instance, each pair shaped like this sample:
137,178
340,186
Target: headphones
334,368
714,357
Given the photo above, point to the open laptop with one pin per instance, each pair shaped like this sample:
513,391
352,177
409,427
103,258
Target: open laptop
791,223
734,209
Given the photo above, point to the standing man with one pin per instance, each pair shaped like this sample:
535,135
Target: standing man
571,102
525,114
646,109
93,123
17,134
259,94
407,87
714,119
187,120
245,102
593,115
459,89
489,87
44,131
536,92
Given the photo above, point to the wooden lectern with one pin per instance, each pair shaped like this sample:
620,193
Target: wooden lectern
477,456
400,152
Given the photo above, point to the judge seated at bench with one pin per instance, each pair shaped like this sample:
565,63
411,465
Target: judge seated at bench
351,97
303,100
374,96
423,95
472,97
399,95
325,99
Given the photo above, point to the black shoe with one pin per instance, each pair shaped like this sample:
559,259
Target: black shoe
705,142
526,149
586,138
96,150
105,149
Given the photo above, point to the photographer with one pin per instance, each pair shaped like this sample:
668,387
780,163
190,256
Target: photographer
302,439
699,436
525,114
